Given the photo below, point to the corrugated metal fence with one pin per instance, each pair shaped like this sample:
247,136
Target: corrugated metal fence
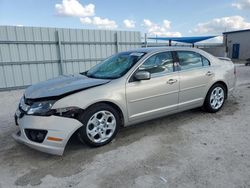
32,54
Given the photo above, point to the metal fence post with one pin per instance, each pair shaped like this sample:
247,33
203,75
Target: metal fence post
59,53
146,41
117,42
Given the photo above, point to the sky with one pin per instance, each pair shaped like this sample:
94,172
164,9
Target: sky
173,18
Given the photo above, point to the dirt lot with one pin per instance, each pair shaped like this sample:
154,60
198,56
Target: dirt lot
189,149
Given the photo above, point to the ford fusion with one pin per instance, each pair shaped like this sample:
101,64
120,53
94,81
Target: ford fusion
126,88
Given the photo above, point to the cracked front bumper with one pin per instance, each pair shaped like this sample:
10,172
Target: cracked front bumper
57,127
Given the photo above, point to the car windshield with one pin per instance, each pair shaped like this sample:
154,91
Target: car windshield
115,66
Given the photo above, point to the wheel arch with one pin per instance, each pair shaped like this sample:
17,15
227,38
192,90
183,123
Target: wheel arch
115,106
222,83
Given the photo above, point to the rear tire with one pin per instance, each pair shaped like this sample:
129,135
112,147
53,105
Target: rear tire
101,123
215,98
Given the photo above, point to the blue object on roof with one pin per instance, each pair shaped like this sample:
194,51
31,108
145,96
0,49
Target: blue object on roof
191,40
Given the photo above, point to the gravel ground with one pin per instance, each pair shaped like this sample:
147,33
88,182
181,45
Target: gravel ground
189,149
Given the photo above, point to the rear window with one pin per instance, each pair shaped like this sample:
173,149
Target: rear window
190,60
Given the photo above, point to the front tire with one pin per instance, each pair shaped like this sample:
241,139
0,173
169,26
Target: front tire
101,123
215,98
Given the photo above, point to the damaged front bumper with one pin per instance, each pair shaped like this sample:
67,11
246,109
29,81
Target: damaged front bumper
52,132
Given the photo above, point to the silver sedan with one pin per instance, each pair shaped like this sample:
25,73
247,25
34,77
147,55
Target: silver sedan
125,89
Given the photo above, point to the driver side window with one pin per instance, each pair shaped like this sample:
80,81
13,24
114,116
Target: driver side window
158,63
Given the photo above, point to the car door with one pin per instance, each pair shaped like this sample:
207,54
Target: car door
149,98
194,73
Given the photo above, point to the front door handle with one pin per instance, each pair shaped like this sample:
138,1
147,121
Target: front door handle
171,81
209,73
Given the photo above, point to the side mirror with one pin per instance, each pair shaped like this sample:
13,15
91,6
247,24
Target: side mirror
142,75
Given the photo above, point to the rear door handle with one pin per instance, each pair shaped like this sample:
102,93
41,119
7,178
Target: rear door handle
209,73
171,81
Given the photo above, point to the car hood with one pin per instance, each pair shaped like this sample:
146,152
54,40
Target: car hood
62,86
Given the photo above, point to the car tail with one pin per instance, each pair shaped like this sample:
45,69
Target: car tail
232,70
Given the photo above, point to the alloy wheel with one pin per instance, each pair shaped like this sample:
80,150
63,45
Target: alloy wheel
217,98
101,126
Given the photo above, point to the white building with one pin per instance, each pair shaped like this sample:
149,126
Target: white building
237,44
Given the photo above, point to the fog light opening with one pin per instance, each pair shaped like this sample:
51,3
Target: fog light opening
36,135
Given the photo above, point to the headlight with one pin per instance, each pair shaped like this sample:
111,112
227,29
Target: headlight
70,112
44,108
23,105
40,108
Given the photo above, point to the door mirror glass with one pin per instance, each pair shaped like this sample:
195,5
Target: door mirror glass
142,75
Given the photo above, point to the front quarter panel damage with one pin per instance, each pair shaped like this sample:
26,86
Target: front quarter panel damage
103,93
